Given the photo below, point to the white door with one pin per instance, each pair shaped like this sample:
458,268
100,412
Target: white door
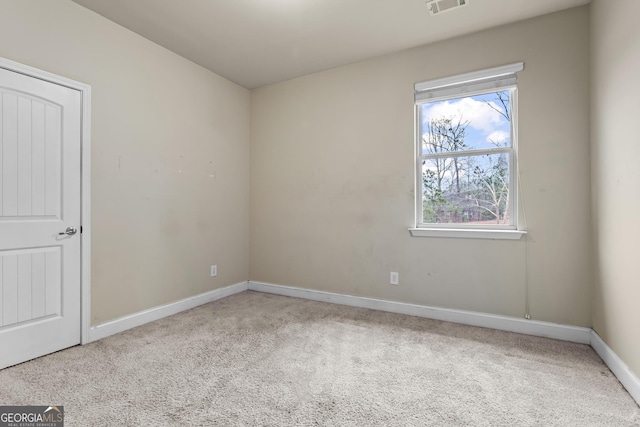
39,199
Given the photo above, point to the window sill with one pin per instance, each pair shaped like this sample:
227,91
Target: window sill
467,233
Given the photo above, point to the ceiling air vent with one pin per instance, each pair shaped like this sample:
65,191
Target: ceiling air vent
439,6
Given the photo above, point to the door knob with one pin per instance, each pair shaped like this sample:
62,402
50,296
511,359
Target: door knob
70,231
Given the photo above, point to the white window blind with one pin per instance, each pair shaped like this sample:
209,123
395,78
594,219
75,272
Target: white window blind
469,83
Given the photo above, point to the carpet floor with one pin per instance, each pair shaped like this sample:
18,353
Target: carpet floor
255,359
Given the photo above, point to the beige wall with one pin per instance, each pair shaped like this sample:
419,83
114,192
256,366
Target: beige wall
161,126
331,170
615,65
332,184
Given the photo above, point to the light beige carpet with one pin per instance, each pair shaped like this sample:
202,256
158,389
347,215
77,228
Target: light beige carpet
265,360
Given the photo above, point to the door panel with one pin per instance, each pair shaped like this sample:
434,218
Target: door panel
31,285
30,157
39,198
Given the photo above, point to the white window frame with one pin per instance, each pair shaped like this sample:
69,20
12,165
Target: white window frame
469,84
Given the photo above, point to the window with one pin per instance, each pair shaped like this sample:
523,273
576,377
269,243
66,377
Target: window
466,155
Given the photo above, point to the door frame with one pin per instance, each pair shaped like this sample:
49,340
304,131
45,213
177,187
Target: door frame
85,182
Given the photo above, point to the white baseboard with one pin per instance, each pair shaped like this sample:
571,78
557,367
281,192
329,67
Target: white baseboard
137,319
620,369
503,323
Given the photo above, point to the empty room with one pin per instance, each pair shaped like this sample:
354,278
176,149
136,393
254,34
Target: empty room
319,212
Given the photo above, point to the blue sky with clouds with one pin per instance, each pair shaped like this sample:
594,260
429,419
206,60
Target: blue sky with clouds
485,124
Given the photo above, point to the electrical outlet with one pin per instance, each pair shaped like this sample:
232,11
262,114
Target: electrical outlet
214,270
394,278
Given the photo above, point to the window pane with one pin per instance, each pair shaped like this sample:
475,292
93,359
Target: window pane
466,190
470,123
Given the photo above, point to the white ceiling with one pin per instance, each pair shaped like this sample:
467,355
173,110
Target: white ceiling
258,42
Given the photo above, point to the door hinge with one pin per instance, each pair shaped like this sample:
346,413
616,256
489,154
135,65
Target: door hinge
80,229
